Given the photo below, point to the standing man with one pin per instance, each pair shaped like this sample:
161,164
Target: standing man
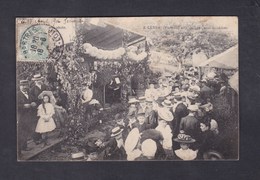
36,90
180,111
190,124
24,115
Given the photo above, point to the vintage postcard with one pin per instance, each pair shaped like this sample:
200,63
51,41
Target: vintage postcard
127,89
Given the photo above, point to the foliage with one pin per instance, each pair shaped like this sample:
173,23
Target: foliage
184,40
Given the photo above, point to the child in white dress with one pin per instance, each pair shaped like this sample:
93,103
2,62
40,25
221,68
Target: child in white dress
45,123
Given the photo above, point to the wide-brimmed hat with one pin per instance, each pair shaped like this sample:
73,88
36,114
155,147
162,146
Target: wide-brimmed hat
184,138
167,103
116,131
50,94
170,97
203,81
132,140
193,108
167,74
149,100
37,77
141,98
177,96
23,82
132,100
165,114
192,96
149,148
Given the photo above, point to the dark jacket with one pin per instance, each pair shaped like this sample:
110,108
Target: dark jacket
151,119
180,112
36,91
112,152
190,125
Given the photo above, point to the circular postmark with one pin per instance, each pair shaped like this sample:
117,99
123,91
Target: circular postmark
41,42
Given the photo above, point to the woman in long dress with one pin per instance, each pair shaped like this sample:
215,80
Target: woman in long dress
45,123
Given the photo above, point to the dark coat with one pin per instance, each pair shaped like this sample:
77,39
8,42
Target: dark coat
205,92
190,125
36,91
112,152
180,112
151,119
24,118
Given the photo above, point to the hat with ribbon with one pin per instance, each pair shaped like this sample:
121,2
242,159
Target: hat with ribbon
23,82
184,138
141,98
37,77
48,93
116,131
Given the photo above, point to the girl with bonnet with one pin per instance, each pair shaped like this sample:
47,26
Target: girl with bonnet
45,112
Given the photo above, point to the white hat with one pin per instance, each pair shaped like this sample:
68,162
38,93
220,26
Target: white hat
132,140
37,77
131,156
193,108
165,114
132,100
141,98
94,101
167,103
149,148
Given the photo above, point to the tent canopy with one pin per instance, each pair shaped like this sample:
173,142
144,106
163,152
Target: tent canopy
225,60
233,81
108,37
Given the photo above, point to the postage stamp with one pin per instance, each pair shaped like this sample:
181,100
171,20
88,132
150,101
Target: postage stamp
40,42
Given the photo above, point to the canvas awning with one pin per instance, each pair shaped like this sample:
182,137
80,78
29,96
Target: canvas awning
233,82
108,37
225,60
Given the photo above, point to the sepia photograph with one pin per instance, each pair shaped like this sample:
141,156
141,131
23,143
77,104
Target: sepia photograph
127,88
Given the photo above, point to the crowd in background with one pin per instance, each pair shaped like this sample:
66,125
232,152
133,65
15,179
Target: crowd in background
174,120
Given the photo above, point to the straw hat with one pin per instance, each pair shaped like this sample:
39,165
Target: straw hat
116,131
165,114
167,103
193,108
23,82
132,100
37,77
132,140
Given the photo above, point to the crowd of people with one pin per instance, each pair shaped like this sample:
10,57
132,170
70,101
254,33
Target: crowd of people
174,120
